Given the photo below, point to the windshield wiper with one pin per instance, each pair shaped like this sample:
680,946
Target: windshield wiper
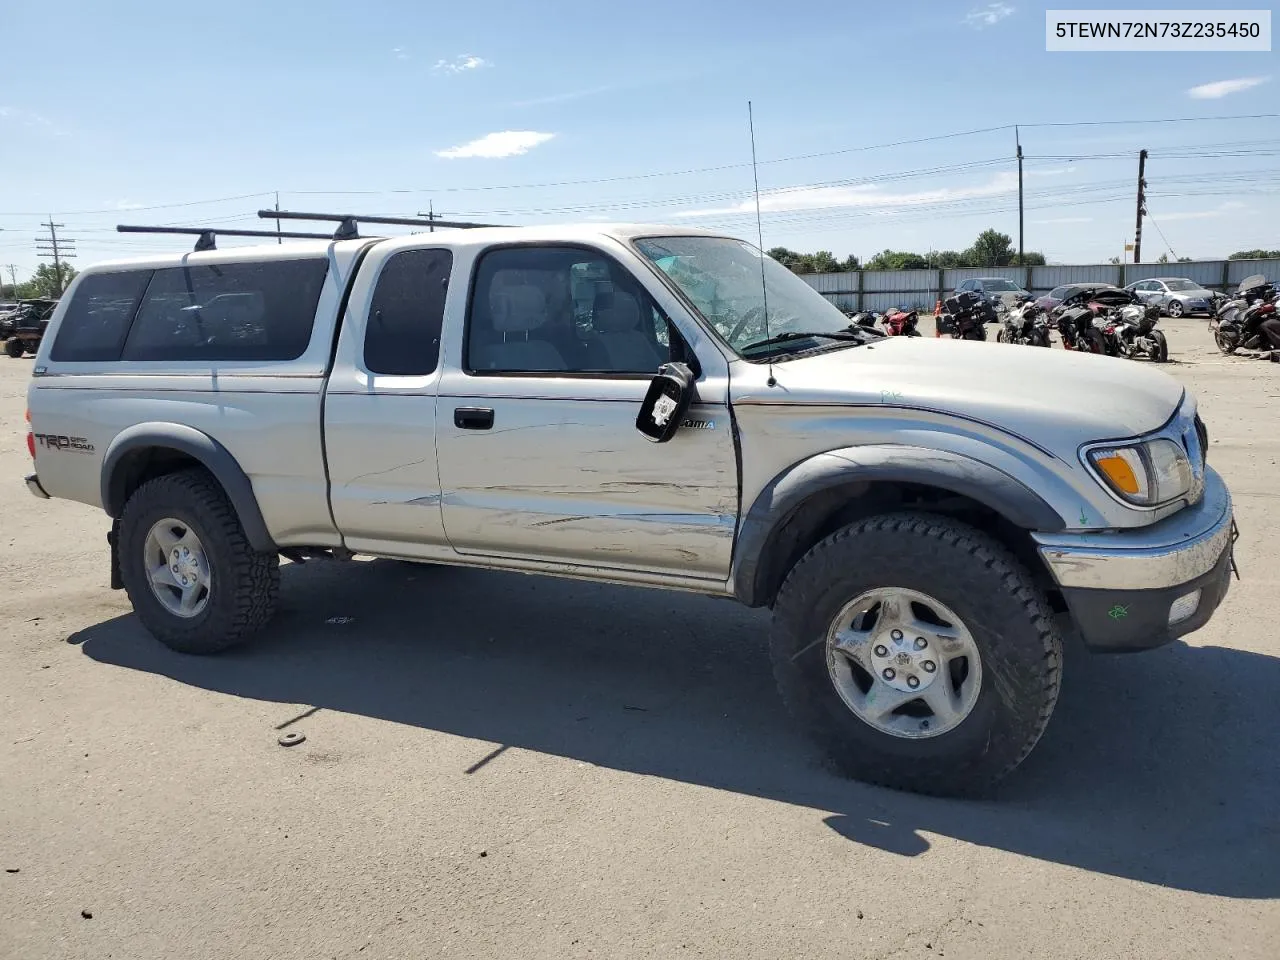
850,334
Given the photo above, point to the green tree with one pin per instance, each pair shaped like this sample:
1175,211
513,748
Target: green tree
1163,258
991,249
45,282
1254,255
897,260
1029,259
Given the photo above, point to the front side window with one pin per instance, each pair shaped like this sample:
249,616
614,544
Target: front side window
729,282
563,310
97,319
403,334
228,311
1181,285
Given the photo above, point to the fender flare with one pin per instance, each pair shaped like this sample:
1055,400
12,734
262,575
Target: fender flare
212,455
854,467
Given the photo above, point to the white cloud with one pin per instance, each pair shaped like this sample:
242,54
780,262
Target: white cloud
399,53
871,196
562,97
1223,88
1222,210
460,64
989,15
29,118
505,143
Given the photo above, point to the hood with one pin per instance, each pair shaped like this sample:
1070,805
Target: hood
1056,398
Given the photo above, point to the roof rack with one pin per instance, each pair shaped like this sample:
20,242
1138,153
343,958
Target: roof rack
208,235
348,223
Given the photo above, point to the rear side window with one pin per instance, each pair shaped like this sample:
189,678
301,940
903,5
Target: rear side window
403,334
97,319
228,311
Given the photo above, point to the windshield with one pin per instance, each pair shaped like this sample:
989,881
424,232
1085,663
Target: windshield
999,286
1181,285
721,277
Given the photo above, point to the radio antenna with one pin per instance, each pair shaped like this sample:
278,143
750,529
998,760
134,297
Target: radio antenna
764,286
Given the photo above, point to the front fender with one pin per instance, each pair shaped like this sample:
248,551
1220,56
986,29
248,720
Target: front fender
765,522
143,437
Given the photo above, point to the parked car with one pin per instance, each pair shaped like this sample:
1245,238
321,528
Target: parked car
1057,295
619,405
1175,296
1000,291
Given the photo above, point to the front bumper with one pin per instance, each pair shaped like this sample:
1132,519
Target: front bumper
33,484
1120,586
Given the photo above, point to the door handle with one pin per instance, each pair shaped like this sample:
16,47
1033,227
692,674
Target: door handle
473,418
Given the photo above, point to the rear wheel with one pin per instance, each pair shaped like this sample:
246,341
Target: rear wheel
1095,341
1227,342
194,581
917,652
1161,353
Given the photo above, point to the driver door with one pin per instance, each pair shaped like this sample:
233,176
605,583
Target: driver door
539,455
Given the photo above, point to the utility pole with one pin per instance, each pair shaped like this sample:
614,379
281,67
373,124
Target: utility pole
1142,206
279,239
430,215
1021,252
59,250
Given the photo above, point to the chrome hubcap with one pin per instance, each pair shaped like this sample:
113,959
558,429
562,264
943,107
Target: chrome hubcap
177,568
904,663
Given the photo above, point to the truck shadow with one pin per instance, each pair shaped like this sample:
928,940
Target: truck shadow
1160,768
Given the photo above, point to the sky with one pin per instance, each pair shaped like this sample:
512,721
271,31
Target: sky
877,125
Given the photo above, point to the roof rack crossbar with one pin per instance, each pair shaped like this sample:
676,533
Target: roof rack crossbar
207,236
348,222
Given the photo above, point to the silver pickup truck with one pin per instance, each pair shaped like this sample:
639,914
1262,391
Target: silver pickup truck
651,406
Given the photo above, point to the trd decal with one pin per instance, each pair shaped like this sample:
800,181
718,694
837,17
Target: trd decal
57,442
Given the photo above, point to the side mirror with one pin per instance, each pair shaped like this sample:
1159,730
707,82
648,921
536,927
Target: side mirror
665,404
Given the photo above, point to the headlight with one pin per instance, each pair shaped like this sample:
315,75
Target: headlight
1145,474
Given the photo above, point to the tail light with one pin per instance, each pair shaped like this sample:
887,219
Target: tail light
31,438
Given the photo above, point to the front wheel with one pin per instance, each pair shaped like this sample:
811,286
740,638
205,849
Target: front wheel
1096,344
1175,309
192,577
14,348
918,652
1227,342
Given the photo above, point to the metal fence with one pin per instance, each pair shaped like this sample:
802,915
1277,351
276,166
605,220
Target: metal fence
920,289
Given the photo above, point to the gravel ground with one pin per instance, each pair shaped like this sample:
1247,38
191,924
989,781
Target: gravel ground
508,766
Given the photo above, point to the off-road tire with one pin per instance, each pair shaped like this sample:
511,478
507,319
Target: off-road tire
245,584
14,348
1005,612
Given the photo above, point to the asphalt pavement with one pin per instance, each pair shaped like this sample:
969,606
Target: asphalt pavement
498,765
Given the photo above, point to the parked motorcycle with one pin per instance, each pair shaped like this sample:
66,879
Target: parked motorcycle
863,318
1130,332
966,316
900,323
1237,323
1025,323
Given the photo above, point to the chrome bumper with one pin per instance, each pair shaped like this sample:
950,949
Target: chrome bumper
1174,551
33,484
